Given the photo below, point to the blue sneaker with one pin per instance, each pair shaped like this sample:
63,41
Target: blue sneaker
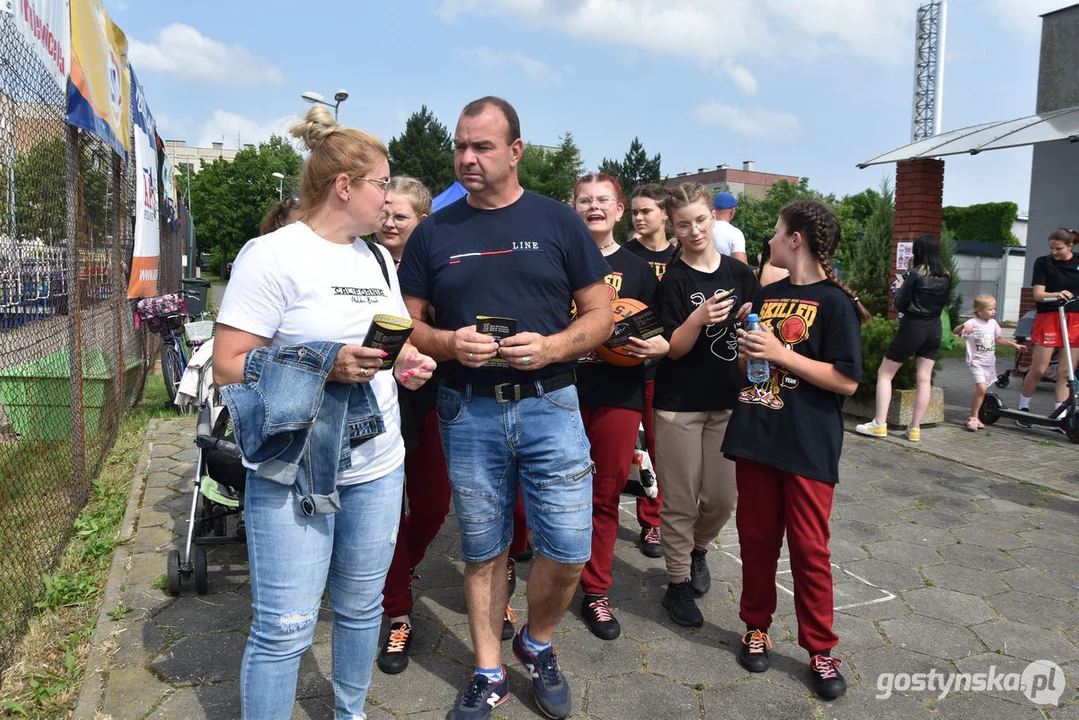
480,697
552,689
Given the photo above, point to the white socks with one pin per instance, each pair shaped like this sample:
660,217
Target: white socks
1024,402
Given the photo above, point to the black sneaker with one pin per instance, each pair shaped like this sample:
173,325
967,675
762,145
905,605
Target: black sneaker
650,543
526,554
596,611
699,575
393,656
681,606
1023,423
754,654
511,575
827,681
508,628
480,697
552,689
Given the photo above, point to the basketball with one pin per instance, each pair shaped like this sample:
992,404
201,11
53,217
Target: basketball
623,308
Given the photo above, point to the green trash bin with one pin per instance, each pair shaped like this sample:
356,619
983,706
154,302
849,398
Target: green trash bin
37,395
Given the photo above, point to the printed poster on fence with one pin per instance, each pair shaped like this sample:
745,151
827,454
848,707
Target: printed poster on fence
99,94
46,26
904,252
168,189
146,251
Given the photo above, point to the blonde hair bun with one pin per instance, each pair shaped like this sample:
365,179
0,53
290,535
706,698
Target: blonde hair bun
316,126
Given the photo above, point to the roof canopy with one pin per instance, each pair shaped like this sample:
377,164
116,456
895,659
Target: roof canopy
1045,127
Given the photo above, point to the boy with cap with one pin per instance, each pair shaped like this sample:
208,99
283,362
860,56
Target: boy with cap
728,239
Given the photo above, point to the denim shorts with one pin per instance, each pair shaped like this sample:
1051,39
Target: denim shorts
537,444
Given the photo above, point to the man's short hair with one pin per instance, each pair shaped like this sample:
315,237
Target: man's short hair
476,107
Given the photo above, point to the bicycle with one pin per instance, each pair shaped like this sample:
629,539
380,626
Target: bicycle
165,315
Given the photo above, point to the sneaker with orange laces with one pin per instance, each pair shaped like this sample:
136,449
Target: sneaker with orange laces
754,654
393,656
508,628
827,681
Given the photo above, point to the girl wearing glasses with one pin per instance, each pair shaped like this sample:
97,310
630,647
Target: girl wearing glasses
702,294
611,397
310,282
407,202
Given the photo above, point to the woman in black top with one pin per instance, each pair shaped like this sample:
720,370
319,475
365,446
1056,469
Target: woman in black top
923,293
1056,277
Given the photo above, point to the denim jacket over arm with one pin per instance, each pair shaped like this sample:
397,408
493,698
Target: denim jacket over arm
298,427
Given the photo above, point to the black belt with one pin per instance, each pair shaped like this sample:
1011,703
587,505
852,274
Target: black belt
506,392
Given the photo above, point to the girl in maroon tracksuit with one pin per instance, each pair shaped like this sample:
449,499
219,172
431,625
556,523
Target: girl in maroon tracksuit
786,435
611,397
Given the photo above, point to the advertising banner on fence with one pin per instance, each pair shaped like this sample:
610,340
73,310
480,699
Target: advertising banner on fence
99,94
168,189
46,25
145,255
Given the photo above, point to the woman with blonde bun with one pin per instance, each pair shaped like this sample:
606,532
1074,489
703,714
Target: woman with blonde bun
297,292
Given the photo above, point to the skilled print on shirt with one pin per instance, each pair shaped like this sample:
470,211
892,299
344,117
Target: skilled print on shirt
515,246
792,318
361,296
724,340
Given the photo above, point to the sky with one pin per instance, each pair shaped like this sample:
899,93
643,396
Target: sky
802,87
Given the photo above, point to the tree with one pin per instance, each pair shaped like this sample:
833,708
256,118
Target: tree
871,257
636,168
424,151
228,200
551,173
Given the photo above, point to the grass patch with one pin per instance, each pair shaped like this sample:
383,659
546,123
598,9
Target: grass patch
1048,443
44,677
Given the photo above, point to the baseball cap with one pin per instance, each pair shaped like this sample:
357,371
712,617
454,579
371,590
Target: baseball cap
724,201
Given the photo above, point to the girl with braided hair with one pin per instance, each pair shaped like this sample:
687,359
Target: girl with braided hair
786,435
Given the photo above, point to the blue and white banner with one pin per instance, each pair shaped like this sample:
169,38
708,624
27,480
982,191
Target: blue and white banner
144,258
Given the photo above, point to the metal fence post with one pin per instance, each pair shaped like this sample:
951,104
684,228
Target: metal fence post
72,195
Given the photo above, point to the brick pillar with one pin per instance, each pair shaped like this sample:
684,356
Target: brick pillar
1026,301
919,189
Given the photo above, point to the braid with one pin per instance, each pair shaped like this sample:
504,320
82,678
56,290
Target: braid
822,233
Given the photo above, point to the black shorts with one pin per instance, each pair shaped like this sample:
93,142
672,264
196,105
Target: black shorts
917,336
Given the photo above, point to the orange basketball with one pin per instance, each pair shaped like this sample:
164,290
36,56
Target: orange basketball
623,308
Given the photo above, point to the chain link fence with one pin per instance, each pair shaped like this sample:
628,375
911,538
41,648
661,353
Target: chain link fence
71,362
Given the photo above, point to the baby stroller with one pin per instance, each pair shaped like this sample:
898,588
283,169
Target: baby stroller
218,490
642,477
1023,330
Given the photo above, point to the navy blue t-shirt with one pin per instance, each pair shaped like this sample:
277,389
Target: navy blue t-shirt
523,261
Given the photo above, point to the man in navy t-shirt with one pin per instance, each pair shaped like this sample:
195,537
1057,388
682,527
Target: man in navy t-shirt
510,263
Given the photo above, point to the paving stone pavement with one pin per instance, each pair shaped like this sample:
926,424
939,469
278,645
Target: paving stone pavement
940,567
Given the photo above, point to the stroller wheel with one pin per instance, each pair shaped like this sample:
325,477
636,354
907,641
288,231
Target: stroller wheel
202,582
1071,427
990,410
1004,380
174,572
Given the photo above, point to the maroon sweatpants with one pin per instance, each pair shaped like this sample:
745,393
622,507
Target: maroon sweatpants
427,485
771,501
612,432
648,508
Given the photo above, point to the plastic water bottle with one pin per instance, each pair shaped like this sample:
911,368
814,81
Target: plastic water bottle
756,370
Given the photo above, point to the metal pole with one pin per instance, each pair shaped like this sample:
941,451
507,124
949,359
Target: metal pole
280,188
71,190
118,287
941,35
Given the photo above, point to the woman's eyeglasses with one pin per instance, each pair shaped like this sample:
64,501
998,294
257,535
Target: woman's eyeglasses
684,229
378,181
605,201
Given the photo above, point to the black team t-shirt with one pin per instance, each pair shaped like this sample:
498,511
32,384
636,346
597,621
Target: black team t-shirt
786,422
523,261
1056,276
656,259
705,378
599,383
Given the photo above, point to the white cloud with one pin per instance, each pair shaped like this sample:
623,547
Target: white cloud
722,35
1023,15
118,5
233,129
535,70
185,52
765,124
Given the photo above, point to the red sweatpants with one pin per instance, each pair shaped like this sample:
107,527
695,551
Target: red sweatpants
427,485
771,501
648,508
612,432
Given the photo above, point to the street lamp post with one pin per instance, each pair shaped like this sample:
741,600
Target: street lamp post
315,99
280,184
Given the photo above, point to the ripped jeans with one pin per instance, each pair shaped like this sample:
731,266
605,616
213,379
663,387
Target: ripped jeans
291,557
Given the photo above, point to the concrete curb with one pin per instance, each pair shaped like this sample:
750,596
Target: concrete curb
93,683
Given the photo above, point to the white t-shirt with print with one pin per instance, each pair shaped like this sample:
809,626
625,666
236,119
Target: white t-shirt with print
727,238
294,286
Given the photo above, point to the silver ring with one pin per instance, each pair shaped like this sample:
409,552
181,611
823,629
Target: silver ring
526,359
470,357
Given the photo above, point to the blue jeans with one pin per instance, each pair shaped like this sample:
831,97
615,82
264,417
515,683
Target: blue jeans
291,556
537,443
